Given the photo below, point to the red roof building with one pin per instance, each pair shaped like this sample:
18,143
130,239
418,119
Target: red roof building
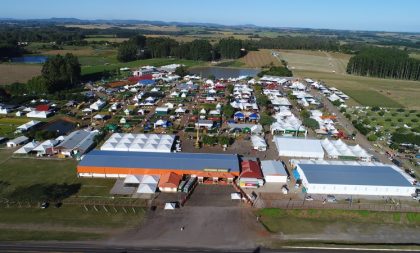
42,108
251,175
251,169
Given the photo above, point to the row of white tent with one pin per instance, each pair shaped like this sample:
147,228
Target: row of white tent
146,183
139,142
337,148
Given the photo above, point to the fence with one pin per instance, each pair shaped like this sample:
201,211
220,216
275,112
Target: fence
301,204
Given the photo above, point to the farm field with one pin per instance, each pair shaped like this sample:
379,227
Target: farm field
258,59
10,73
366,91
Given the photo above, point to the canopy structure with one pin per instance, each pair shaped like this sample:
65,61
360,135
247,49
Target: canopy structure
139,143
28,125
27,148
338,148
147,188
299,147
170,206
258,143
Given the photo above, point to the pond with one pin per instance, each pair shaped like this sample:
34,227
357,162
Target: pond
30,59
220,72
59,126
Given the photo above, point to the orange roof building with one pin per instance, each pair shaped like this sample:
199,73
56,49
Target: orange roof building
169,182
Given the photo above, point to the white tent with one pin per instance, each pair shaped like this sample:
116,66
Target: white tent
170,206
298,147
133,179
150,179
147,188
139,142
258,143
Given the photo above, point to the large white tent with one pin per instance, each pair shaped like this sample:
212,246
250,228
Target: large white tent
299,147
258,143
28,125
139,142
338,148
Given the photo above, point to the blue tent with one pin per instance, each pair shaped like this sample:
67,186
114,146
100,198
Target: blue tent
147,82
253,116
239,115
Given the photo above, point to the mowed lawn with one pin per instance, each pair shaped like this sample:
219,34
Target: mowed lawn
330,68
314,221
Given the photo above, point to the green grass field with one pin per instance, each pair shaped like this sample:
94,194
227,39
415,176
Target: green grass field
69,222
330,68
313,221
154,62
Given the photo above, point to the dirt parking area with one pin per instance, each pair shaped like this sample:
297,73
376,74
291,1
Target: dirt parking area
212,195
215,227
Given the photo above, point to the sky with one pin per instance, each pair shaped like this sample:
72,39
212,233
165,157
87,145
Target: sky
379,15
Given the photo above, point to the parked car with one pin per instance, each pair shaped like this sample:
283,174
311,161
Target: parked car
309,198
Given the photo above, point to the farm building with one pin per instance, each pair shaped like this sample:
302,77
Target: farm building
17,141
28,125
273,171
251,175
112,164
139,143
28,147
339,150
298,147
353,178
77,142
38,114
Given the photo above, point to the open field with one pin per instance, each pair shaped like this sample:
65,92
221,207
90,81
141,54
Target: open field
155,62
315,61
260,58
367,91
314,221
10,73
69,222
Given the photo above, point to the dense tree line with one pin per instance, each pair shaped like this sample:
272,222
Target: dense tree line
58,73
297,42
140,47
384,63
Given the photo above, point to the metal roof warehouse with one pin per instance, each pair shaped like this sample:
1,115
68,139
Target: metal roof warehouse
353,178
100,163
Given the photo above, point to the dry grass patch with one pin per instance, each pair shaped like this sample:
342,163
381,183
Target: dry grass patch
10,73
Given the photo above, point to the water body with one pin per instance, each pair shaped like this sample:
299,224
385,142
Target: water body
221,72
30,59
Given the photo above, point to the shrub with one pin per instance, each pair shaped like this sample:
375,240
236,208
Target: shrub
372,137
375,108
381,113
400,110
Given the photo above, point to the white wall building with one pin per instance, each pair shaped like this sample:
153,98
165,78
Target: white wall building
353,178
273,171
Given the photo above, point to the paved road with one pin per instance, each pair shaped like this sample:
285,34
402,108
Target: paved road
80,247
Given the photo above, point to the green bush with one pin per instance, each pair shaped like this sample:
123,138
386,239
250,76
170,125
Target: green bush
372,137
